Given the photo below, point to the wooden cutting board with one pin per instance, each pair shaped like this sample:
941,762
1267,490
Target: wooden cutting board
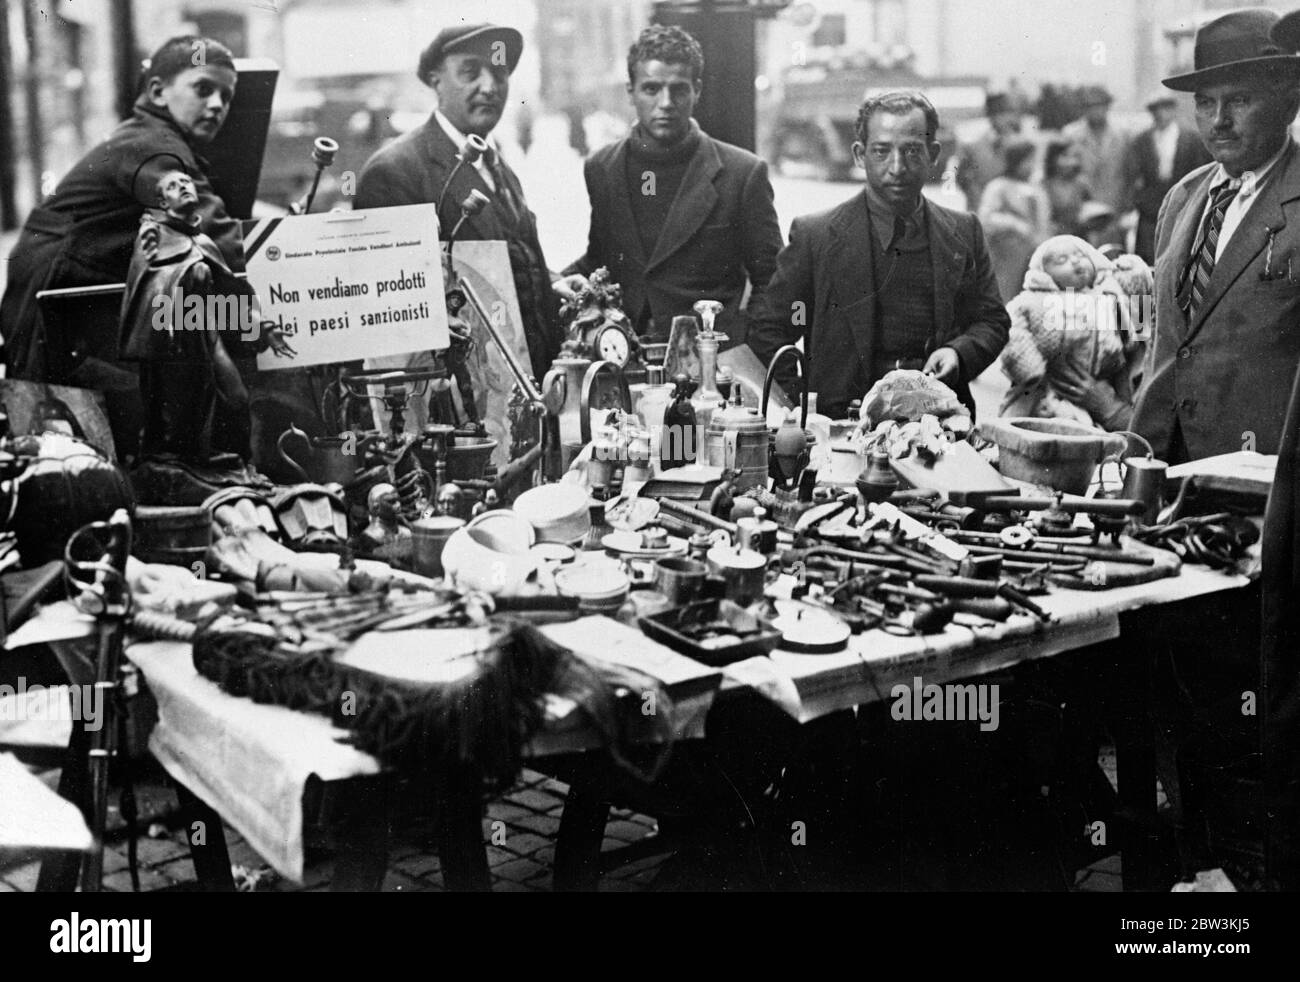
960,469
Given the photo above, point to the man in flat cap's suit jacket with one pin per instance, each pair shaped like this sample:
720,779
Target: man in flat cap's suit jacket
469,67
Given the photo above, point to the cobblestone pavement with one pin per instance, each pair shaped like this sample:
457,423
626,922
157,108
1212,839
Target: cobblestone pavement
520,828
520,853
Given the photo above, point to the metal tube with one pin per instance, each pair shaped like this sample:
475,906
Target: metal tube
522,378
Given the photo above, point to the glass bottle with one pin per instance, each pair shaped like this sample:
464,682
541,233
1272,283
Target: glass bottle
707,398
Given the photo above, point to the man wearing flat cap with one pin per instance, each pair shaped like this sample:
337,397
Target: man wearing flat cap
1218,379
1157,159
469,68
1101,148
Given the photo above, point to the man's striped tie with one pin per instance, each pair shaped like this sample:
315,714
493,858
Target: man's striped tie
507,203
1196,274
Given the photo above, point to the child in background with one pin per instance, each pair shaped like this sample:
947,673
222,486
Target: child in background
1074,344
1067,192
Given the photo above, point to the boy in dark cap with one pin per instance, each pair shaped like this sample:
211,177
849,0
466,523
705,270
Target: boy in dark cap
83,233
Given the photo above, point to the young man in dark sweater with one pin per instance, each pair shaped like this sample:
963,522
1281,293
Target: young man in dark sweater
676,215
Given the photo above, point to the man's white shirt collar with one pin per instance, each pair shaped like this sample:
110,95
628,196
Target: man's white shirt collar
460,139
1251,180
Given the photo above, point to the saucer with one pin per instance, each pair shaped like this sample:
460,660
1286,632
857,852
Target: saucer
629,544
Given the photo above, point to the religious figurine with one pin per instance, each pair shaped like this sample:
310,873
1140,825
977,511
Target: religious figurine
180,299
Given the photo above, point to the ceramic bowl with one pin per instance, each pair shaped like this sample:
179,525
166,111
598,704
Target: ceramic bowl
557,512
473,559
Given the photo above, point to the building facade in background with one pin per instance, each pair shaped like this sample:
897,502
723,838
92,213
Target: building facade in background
358,55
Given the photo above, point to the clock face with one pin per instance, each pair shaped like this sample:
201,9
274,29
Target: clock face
612,346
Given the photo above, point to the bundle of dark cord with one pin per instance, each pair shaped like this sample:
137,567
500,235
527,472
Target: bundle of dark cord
484,720
1218,541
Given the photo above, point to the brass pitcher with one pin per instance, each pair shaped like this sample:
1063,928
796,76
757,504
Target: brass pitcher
325,459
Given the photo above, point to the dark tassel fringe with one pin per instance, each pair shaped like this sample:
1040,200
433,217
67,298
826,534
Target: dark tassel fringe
484,720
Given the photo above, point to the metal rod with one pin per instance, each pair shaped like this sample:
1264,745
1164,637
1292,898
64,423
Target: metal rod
694,515
1099,553
522,378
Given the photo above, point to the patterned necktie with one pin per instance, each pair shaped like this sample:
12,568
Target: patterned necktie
505,196
1195,280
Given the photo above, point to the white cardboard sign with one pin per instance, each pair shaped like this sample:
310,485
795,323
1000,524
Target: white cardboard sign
349,285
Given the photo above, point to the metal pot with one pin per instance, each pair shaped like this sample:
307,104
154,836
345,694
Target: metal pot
325,459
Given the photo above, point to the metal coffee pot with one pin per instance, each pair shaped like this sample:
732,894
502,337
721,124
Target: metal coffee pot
325,459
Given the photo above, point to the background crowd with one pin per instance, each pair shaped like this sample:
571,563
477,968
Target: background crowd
1086,177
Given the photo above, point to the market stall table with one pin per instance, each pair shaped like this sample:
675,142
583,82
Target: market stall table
252,764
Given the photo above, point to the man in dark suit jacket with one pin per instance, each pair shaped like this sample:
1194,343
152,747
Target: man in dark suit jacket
888,279
676,215
1220,370
469,67
1157,159
1220,379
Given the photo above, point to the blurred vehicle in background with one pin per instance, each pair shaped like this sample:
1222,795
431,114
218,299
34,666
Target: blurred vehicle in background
360,117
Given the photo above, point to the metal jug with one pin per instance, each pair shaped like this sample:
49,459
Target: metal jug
737,439
327,459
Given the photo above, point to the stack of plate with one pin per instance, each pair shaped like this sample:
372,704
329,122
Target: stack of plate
601,588
559,512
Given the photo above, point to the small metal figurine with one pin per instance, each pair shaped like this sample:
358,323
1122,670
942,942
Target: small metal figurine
488,502
385,526
454,360
451,501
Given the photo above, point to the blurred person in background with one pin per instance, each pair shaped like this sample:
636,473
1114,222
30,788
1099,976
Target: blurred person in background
1016,216
1066,190
984,159
1157,159
1101,147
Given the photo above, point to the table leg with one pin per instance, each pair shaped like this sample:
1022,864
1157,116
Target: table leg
363,854
460,832
60,872
582,828
207,835
1135,764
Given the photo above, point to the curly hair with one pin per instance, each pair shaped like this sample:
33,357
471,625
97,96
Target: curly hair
184,52
897,103
671,45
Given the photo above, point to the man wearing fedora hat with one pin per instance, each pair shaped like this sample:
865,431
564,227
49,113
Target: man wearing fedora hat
1218,377
469,67
1157,159
1101,147
1228,254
